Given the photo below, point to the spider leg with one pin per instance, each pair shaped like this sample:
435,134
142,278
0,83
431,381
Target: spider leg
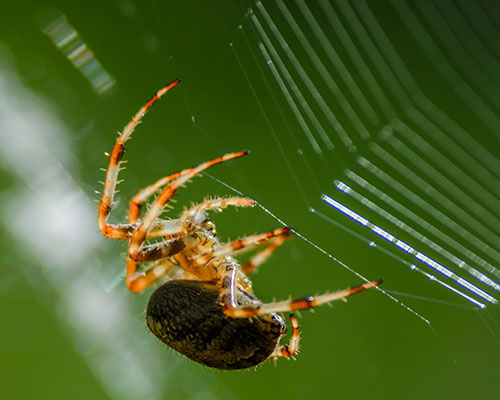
228,289
290,305
161,228
251,265
290,349
238,245
144,194
169,228
157,206
167,248
196,212
110,230
138,282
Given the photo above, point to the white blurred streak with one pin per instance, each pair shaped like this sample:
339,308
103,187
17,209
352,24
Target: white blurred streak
459,263
68,40
417,254
51,219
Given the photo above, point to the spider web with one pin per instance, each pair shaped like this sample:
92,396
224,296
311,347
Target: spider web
380,122
407,149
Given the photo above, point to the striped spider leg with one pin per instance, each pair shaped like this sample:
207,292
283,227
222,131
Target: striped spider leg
115,159
292,348
251,265
304,303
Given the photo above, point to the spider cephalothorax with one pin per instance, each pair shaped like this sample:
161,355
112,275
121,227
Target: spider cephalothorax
206,309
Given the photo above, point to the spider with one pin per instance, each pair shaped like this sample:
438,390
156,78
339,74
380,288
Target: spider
205,309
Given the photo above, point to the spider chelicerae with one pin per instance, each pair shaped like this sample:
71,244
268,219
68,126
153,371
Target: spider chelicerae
205,309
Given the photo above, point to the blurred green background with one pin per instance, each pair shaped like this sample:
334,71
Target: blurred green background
73,73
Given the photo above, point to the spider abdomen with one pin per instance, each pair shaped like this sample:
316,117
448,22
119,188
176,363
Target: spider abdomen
187,316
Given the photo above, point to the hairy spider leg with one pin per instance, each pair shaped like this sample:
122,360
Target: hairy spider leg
239,245
110,230
161,228
198,210
292,348
168,248
145,193
157,206
251,265
228,284
288,305
138,282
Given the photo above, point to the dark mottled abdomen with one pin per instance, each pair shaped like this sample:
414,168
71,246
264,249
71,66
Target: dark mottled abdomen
187,316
